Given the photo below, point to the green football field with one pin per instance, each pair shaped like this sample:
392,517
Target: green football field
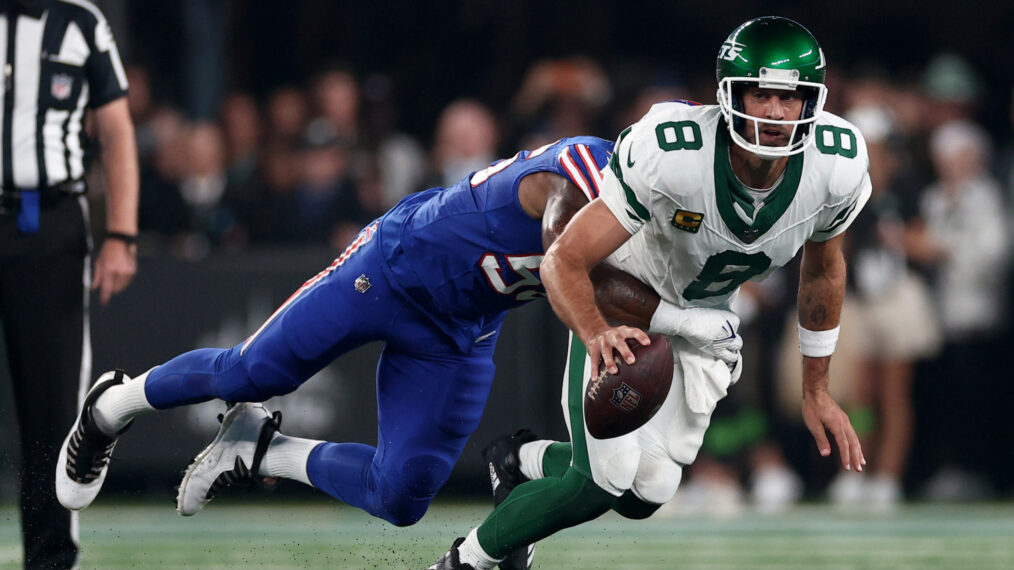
325,535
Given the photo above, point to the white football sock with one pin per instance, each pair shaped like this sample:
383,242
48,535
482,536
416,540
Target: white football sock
287,456
531,455
120,404
470,552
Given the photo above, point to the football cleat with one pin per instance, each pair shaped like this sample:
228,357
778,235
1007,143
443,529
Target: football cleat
84,456
232,459
451,560
503,458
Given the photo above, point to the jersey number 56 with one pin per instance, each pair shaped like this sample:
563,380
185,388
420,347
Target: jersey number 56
528,286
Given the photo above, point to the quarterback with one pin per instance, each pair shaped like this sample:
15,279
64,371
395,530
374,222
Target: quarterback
432,278
696,200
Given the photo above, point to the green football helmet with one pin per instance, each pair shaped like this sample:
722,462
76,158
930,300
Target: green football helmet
772,53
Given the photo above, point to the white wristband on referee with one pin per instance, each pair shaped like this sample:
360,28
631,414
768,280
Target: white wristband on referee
817,343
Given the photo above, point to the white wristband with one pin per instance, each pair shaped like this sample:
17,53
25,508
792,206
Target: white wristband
817,343
667,319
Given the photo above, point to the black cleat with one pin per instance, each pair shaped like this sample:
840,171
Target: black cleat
451,560
503,458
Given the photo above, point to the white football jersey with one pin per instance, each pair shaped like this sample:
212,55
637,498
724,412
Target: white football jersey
697,232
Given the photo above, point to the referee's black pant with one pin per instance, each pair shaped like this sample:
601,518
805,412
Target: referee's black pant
44,281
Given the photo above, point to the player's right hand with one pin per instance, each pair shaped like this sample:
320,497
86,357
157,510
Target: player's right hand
601,346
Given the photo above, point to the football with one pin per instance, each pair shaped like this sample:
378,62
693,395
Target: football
617,404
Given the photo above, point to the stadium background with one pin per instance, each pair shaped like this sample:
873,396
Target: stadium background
210,272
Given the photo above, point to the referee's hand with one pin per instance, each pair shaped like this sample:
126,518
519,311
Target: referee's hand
114,268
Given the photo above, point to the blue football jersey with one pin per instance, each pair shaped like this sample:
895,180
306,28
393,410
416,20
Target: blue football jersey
467,253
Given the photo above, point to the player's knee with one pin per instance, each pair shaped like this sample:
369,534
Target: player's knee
231,382
631,506
266,380
406,497
423,475
657,479
405,513
399,505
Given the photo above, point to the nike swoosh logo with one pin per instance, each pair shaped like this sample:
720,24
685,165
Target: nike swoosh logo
728,329
630,163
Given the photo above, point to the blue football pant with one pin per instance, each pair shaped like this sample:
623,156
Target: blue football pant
430,396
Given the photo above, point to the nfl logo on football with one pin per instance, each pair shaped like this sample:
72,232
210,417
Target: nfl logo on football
62,85
625,397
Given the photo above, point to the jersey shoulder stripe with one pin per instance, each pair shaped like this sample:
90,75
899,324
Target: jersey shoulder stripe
574,173
582,163
594,169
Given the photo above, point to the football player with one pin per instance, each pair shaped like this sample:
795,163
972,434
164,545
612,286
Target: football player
696,200
432,278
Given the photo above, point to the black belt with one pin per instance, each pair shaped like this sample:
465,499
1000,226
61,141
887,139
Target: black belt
10,198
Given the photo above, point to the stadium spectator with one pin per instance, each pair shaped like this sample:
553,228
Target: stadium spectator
266,203
203,188
336,100
953,87
325,197
561,98
287,115
402,157
241,126
964,240
663,88
163,214
466,140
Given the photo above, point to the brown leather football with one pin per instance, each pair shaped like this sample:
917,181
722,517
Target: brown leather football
617,404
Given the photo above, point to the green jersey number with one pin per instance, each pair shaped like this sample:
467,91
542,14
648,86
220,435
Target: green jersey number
835,140
725,271
679,135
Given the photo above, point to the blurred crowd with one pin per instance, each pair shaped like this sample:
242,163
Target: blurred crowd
925,326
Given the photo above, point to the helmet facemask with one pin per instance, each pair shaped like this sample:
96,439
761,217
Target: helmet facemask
730,100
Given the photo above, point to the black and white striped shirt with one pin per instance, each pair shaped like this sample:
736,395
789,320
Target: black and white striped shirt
58,58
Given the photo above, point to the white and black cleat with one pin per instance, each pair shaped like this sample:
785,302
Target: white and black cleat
84,456
232,459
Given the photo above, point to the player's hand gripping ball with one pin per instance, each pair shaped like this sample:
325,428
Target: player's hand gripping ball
617,404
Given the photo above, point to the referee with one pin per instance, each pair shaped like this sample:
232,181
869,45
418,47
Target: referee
59,62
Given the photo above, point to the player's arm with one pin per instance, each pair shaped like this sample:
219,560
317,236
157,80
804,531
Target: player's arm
589,238
621,297
821,293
